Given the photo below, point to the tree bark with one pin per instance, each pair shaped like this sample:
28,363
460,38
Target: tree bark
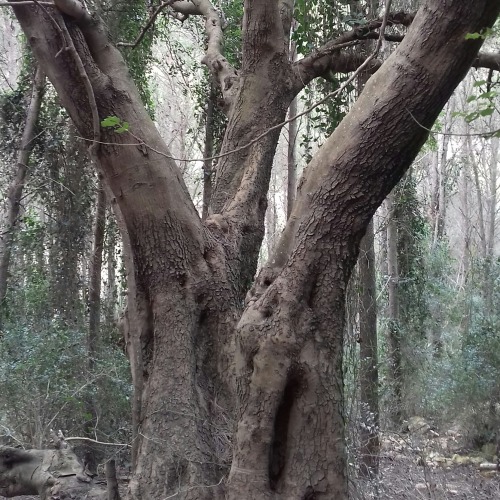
112,482
94,304
15,189
291,187
291,160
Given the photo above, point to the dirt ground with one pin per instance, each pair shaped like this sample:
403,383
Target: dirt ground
429,466
404,479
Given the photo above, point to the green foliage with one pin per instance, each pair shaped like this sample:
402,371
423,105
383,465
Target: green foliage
115,123
315,24
483,34
45,381
483,101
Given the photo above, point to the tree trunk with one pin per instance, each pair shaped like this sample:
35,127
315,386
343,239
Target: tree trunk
393,327
95,277
289,372
291,187
95,274
112,482
15,189
479,198
368,355
492,213
368,341
291,160
209,150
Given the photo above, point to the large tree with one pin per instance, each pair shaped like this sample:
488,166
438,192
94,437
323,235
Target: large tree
207,342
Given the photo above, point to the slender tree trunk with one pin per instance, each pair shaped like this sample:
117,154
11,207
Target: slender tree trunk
291,160
94,304
490,242
292,141
112,482
479,198
95,275
15,189
466,229
111,265
208,151
394,334
368,354
368,349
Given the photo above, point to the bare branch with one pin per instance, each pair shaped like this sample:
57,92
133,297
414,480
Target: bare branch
185,7
102,443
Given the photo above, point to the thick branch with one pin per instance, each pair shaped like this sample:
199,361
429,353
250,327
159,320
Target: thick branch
487,60
224,73
328,58
263,32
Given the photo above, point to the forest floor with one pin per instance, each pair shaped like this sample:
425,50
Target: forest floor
425,465
404,479
422,464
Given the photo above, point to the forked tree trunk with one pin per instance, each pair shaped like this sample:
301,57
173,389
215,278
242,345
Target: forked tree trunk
187,279
15,189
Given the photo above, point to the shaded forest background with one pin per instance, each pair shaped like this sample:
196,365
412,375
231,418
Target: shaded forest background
62,291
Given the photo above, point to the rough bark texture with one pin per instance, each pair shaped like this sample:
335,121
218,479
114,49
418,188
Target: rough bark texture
187,279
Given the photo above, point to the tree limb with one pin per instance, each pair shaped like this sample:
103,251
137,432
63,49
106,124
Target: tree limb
328,58
488,60
263,33
223,71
